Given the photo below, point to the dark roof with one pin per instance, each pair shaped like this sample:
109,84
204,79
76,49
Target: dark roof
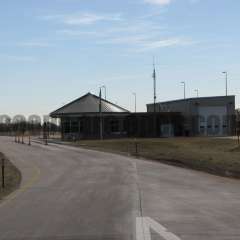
88,103
194,99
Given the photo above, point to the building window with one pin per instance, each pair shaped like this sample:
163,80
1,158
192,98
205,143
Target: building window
114,126
66,127
74,127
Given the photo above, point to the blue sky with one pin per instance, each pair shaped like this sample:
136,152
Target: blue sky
53,51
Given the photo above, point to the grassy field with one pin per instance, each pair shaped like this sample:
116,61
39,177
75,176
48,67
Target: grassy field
12,178
218,156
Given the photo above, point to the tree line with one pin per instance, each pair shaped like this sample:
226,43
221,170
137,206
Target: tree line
24,127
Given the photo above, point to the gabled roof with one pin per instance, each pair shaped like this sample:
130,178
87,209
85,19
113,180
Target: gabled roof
88,103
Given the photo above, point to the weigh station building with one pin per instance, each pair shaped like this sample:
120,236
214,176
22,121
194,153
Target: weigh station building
91,117
204,116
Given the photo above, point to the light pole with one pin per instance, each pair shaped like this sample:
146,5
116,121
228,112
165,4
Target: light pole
135,99
197,91
105,91
226,79
100,114
184,89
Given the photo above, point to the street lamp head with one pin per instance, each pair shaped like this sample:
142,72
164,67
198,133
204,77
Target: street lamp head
184,87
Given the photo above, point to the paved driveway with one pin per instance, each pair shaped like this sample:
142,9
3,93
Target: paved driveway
69,193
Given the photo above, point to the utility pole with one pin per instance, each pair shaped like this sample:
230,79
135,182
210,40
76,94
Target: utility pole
226,81
135,99
154,86
184,89
105,91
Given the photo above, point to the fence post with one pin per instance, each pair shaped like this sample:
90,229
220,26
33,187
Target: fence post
136,148
3,173
46,139
29,140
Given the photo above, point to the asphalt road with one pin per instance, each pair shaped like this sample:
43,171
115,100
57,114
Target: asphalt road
75,194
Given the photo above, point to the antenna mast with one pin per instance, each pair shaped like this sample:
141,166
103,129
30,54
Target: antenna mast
154,85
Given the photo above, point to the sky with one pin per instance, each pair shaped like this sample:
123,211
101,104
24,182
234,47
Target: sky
54,51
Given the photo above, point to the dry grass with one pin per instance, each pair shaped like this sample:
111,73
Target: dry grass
219,156
12,177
